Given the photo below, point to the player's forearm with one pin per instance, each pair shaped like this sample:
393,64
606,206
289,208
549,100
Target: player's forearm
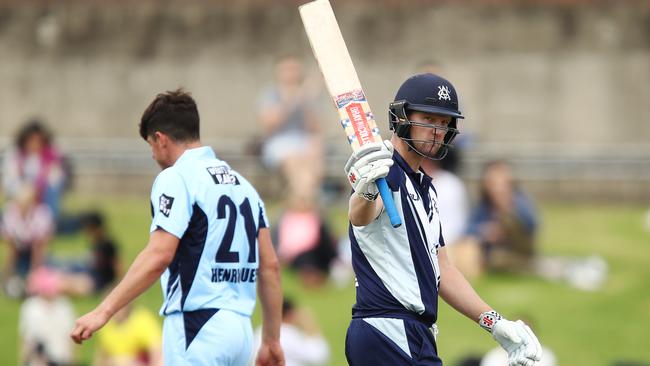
459,294
270,292
144,271
362,211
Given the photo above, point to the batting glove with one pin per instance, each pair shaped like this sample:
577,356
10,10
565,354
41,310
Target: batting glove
366,165
515,337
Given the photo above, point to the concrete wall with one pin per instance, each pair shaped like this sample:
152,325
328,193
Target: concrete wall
566,79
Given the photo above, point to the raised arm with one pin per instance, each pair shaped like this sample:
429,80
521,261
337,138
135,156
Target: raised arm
364,167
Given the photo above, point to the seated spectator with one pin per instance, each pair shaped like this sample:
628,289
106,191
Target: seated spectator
103,267
133,337
300,337
33,160
27,226
292,141
305,244
501,230
44,323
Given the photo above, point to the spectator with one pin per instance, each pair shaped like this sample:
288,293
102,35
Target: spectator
132,338
44,322
292,142
300,336
35,161
432,66
103,266
306,244
501,231
501,237
27,226
453,201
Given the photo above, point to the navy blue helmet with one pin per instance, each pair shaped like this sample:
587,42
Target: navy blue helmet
425,93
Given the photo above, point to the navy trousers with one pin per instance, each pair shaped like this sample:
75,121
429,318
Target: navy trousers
389,341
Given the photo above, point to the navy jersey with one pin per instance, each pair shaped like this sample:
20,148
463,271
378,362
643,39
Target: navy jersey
397,269
216,214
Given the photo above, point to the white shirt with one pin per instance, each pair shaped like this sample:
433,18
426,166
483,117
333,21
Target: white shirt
300,349
24,230
48,322
453,204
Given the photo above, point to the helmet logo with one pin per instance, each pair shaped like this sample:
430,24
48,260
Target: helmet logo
443,93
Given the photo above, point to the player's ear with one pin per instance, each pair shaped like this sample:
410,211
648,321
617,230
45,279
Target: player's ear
160,138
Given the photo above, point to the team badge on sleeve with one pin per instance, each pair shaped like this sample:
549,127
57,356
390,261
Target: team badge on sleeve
165,204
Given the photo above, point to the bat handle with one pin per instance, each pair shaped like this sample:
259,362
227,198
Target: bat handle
387,197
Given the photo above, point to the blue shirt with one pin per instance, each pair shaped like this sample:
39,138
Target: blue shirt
397,269
524,212
216,214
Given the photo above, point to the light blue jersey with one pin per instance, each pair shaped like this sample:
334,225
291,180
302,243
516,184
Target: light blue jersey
216,214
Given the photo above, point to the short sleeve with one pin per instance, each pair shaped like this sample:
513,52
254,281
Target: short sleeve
263,219
170,202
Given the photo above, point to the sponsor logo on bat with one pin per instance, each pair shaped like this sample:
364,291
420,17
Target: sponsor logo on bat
347,98
359,123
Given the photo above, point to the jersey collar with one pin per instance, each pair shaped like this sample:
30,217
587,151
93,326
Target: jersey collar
203,152
421,178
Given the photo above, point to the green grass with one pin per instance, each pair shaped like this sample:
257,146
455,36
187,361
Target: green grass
583,328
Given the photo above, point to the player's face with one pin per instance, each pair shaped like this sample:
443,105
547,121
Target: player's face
429,132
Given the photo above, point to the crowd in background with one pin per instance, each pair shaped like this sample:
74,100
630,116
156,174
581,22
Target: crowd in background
35,176
496,234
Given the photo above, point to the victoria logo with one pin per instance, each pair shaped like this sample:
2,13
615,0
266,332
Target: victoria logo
443,93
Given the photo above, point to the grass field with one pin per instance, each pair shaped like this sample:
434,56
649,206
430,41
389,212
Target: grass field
583,328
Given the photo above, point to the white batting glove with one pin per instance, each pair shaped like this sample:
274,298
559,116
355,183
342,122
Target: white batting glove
366,165
515,337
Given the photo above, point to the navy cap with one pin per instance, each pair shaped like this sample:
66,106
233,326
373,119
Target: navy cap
429,93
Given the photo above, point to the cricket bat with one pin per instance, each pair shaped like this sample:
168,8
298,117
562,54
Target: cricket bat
344,86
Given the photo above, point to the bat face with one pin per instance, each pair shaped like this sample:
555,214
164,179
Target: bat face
338,71
357,119
344,86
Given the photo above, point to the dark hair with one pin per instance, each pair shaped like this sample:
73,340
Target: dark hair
485,197
173,113
32,127
93,220
287,306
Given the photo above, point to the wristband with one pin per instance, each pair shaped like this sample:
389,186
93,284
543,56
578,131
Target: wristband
487,319
369,196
